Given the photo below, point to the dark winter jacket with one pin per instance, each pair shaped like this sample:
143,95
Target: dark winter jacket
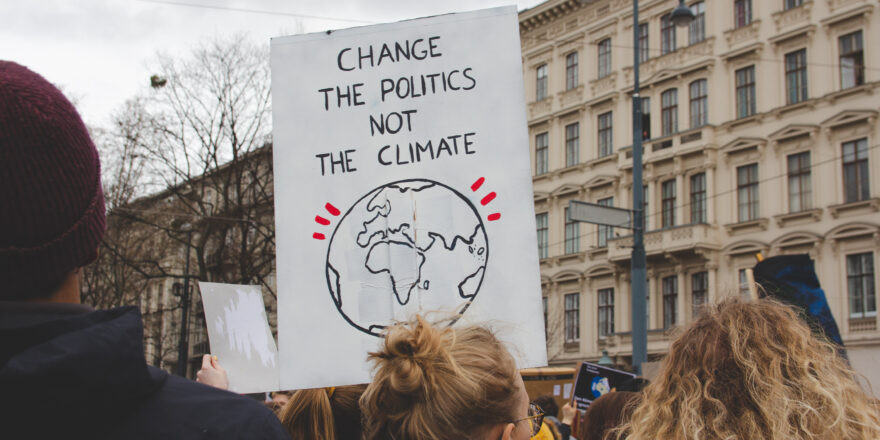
69,372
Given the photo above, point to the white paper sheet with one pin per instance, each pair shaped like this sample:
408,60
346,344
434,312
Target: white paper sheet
239,334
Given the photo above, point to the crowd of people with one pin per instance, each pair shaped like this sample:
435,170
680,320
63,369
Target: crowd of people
743,370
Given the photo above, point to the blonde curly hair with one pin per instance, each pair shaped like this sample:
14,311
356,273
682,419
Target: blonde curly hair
753,370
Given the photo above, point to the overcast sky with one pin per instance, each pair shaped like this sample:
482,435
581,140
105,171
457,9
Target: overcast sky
99,51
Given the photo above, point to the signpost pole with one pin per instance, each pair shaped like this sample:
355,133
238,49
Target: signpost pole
639,281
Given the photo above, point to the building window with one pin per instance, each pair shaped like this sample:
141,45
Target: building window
541,83
606,138
800,192
669,111
860,285
789,4
796,76
747,192
644,48
541,154
699,292
572,144
744,284
571,71
604,60
670,300
667,34
742,13
541,224
605,232
855,171
697,31
572,317
606,312
745,92
698,198
852,60
572,234
646,118
668,203
699,103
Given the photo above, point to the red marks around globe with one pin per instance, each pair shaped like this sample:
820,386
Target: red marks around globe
487,198
332,210
478,184
324,222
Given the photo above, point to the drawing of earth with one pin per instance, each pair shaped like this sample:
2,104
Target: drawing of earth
407,247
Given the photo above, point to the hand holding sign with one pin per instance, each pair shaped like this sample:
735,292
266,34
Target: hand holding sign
212,373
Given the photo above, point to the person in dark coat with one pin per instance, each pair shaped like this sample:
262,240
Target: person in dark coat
67,371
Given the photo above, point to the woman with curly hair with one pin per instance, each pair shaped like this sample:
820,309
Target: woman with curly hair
753,370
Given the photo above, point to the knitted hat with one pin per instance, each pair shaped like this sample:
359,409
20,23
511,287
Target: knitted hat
51,203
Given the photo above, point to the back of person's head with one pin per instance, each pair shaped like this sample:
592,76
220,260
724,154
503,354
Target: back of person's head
753,370
606,413
324,413
433,383
50,187
547,404
634,384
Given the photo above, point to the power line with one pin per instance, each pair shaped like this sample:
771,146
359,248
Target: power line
658,51
707,198
256,11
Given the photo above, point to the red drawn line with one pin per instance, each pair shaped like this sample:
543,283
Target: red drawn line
489,197
495,216
332,209
318,236
478,184
322,220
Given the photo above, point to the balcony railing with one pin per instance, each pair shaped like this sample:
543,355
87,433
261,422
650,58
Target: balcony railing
671,240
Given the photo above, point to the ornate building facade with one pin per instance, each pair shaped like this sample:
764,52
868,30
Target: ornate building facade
760,135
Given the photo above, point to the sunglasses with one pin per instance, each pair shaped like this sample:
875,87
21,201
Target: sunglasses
535,418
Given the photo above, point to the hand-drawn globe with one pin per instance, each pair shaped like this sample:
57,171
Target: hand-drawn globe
407,247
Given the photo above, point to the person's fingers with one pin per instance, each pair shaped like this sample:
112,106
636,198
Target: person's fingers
214,362
206,361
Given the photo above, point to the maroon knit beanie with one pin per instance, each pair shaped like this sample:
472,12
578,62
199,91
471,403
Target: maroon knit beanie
51,203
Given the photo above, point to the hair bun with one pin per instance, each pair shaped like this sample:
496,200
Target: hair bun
409,352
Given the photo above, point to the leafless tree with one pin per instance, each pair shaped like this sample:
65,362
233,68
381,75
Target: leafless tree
188,178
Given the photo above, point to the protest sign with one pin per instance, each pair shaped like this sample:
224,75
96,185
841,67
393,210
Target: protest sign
402,186
239,334
595,380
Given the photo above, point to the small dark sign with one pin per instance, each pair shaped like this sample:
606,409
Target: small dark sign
594,380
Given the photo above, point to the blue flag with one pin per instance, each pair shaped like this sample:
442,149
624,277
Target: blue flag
792,279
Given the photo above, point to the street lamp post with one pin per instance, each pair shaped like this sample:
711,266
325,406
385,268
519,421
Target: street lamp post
183,343
681,16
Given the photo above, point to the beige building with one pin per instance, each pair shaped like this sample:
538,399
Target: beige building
761,135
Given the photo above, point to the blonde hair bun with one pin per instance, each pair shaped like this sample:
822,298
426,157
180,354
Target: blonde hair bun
439,383
410,352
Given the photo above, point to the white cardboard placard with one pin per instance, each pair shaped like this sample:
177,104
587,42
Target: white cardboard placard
239,334
402,186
